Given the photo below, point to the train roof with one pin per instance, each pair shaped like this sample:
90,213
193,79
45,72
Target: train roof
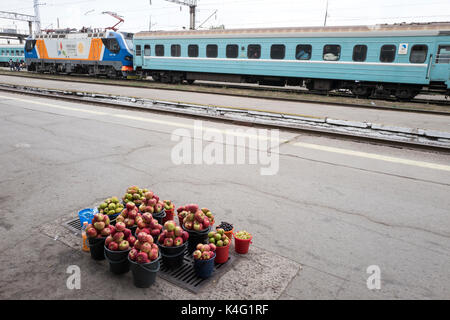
419,29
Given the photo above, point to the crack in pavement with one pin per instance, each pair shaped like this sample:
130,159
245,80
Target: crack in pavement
364,170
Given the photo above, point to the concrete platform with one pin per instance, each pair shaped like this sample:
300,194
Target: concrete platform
334,208
387,118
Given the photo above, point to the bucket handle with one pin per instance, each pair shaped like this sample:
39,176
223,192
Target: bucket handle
113,262
151,270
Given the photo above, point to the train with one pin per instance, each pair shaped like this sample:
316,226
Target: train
90,51
380,60
14,52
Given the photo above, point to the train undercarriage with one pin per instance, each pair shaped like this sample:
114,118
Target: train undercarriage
95,70
322,86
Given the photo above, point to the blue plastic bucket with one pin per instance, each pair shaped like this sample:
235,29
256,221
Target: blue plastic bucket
204,268
86,215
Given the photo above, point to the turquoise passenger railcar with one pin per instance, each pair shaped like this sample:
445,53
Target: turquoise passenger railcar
12,52
380,60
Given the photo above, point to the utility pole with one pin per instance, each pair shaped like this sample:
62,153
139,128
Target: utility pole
192,4
326,15
37,16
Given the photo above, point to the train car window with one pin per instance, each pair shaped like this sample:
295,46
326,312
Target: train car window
387,53
331,52
418,53
147,51
193,50
29,45
54,36
360,53
111,44
232,51
303,52
277,51
443,55
159,50
211,51
254,51
17,53
175,50
138,50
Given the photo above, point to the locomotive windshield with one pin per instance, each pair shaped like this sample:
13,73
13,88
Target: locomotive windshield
128,40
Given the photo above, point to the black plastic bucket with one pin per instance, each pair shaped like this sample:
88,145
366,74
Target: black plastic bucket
133,230
172,251
173,261
204,268
96,248
118,261
196,237
144,275
159,216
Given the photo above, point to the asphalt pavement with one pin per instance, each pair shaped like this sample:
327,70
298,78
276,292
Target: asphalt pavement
331,209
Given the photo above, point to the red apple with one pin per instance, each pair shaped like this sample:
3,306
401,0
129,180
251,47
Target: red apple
120,226
197,254
168,242
178,241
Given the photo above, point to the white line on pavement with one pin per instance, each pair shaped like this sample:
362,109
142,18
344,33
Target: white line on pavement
374,156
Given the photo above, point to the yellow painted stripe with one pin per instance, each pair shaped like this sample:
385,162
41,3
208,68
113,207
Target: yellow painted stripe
366,155
373,156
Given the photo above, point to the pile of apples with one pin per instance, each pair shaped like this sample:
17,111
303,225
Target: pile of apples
146,223
168,206
151,203
129,215
120,238
135,194
173,235
110,206
144,249
195,219
218,238
100,227
204,251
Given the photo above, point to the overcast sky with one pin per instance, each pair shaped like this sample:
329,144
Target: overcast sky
231,13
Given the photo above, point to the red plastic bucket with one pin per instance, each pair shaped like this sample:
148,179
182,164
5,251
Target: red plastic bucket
241,246
169,216
180,220
222,254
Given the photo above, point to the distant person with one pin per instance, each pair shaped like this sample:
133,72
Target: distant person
11,65
17,65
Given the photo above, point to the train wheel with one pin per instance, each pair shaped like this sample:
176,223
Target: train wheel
405,93
361,92
190,81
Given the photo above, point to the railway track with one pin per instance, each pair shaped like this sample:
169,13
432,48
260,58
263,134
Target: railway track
441,107
396,136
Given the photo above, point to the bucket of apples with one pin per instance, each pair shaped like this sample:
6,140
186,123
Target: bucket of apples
222,243
197,224
97,231
129,216
204,260
144,260
117,246
172,243
152,204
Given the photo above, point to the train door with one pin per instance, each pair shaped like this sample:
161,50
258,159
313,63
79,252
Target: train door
138,56
440,69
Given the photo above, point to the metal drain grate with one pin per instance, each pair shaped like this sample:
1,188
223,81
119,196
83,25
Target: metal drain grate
185,276
74,225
